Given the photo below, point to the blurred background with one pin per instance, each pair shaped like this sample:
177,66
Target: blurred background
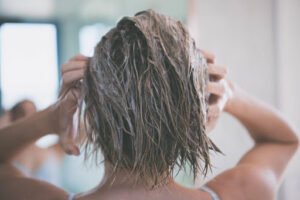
257,40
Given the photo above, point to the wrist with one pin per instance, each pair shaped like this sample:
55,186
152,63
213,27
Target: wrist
233,102
50,119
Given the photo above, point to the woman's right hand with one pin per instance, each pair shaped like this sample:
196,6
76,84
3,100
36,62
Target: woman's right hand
65,108
219,89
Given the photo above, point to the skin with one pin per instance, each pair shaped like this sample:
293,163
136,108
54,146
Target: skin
32,157
256,176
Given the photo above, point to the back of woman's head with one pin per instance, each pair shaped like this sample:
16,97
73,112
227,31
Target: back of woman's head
145,107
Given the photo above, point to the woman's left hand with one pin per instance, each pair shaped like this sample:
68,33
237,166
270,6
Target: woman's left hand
65,108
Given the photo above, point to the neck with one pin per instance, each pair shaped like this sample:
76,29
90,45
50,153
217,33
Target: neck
124,179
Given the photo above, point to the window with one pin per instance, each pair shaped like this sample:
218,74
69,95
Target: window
28,63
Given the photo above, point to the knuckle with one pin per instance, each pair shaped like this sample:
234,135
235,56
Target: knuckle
222,69
225,70
63,66
214,109
83,64
222,89
219,110
64,79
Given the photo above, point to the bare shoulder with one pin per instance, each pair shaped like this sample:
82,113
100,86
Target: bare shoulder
14,185
244,182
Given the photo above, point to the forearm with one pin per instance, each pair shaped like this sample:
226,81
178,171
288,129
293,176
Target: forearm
18,135
264,123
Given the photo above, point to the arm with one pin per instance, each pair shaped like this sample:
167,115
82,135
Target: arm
5,119
55,119
264,123
16,137
260,170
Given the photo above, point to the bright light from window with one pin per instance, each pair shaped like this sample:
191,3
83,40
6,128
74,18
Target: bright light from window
28,60
89,36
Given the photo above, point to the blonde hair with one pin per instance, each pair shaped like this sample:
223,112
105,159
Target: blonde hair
145,100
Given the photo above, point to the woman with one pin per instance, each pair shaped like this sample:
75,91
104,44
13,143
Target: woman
145,93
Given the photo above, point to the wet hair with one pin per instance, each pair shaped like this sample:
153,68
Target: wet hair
144,95
18,111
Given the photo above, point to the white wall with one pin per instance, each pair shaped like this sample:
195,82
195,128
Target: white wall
288,45
259,42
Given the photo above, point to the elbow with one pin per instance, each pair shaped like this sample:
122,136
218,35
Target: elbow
296,141
297,137
292,137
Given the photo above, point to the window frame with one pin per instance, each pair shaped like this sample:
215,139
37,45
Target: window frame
4,20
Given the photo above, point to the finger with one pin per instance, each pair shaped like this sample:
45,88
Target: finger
212,117
73,65
70,141
76,150
70,148
73,98
210,57
72,76
67,142
215,88
75,93
71,91
79,57
217,71
70,82
210,125
213,99
213,111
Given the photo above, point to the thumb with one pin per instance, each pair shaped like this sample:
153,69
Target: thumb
67,142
